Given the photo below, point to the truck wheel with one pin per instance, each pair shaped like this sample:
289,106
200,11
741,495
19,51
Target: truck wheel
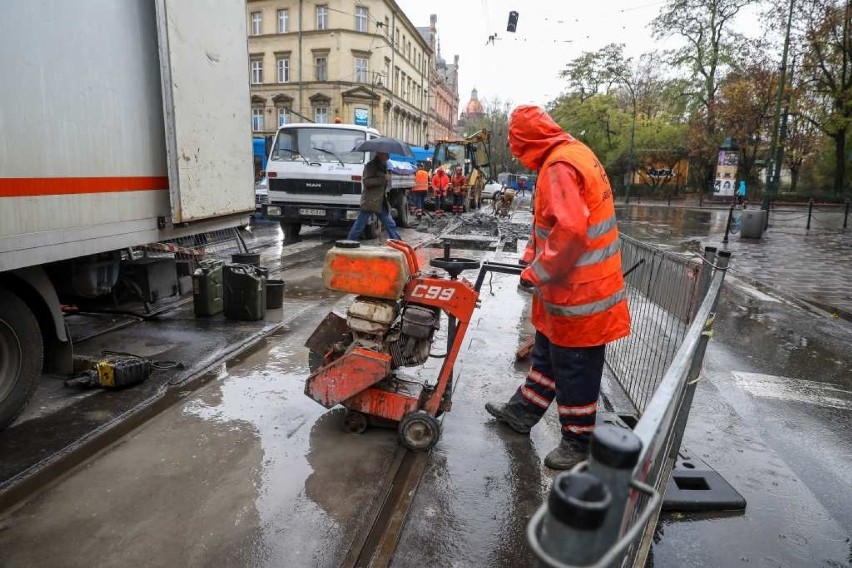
403,219
21,351
291,231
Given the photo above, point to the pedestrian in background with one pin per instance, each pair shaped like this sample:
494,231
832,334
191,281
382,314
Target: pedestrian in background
459,189
741,192
374,186
522,185
580,303
421,186
440,185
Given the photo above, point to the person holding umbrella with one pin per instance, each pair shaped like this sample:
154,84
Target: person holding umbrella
374,185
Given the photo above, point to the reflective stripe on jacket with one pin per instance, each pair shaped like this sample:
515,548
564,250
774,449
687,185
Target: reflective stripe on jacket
421,180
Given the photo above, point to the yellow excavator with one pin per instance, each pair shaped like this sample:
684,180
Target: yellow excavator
473,154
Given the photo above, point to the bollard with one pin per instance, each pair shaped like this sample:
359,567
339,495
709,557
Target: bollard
613,455
728,226
810,211
576,508
701,199
846,215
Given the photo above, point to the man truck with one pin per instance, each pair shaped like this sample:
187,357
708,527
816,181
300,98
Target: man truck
123,123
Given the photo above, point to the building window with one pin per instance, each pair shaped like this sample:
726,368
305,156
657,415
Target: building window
283,116
321,115
321,68
256,71
283,68
361,71
256,23
361,17
322,17
283,21
257,119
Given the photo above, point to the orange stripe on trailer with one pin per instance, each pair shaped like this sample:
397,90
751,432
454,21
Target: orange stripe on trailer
34,187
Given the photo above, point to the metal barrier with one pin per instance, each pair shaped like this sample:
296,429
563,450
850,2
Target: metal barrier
662,298
661,380
219,245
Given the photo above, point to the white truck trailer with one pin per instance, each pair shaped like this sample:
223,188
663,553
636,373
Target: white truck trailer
315,178
121,123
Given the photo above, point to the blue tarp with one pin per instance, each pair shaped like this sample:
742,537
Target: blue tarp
398,167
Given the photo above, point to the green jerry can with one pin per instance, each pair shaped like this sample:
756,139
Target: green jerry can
245,292
208,288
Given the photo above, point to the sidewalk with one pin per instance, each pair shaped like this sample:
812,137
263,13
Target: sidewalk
814,266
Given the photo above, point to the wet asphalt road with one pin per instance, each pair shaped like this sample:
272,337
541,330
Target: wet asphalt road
248,471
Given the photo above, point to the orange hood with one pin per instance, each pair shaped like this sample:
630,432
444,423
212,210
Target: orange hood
533,135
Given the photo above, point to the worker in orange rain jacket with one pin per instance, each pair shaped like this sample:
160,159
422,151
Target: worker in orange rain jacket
579,302
440,184
421,186
458,185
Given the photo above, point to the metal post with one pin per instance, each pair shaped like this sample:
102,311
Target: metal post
771,181
576,508
728,226
846,215
705,274
810,212
613,455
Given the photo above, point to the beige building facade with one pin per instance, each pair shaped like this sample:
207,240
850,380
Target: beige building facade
443,87
360,62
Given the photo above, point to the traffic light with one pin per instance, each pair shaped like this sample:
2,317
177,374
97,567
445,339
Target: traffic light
513,22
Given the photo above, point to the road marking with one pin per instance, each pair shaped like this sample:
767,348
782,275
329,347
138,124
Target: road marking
796,390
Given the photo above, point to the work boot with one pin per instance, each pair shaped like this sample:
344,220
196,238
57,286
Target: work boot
502,413
566,455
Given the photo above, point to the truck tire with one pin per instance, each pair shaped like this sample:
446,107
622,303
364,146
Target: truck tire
291,231
403,219
21,354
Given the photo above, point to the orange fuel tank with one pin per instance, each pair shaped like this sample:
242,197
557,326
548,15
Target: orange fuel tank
375,271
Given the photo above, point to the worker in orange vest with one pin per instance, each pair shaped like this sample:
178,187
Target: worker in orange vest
421,186
440,184
580,303
459,188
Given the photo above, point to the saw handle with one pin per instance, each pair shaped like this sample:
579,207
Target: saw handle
489,266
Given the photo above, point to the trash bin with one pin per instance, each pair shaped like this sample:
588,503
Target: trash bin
752,222
274,294
245,293
207,288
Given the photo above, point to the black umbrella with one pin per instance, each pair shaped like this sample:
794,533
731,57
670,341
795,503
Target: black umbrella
386,145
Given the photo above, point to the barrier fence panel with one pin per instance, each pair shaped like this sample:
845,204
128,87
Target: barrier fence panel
662,297
212,245
673,303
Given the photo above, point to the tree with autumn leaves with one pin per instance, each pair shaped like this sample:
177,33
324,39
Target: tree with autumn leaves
720,84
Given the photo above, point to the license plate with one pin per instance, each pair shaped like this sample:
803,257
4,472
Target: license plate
273,210
312,212
351,215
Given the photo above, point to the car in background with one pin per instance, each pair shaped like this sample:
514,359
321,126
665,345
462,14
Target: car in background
491,189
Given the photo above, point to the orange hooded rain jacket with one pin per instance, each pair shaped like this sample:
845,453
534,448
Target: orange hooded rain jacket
573,251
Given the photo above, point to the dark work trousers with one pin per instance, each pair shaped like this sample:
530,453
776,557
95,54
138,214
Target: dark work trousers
571,375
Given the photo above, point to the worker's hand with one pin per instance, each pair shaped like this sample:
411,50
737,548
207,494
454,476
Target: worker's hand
526,278
387,176
523,262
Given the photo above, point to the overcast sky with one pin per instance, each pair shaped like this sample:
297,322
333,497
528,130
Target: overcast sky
523,67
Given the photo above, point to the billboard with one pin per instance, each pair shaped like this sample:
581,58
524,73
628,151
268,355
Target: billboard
726,174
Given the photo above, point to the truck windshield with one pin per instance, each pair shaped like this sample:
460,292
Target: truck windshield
449,156
318,145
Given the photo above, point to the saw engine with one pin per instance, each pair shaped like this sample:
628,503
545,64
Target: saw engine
400,329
